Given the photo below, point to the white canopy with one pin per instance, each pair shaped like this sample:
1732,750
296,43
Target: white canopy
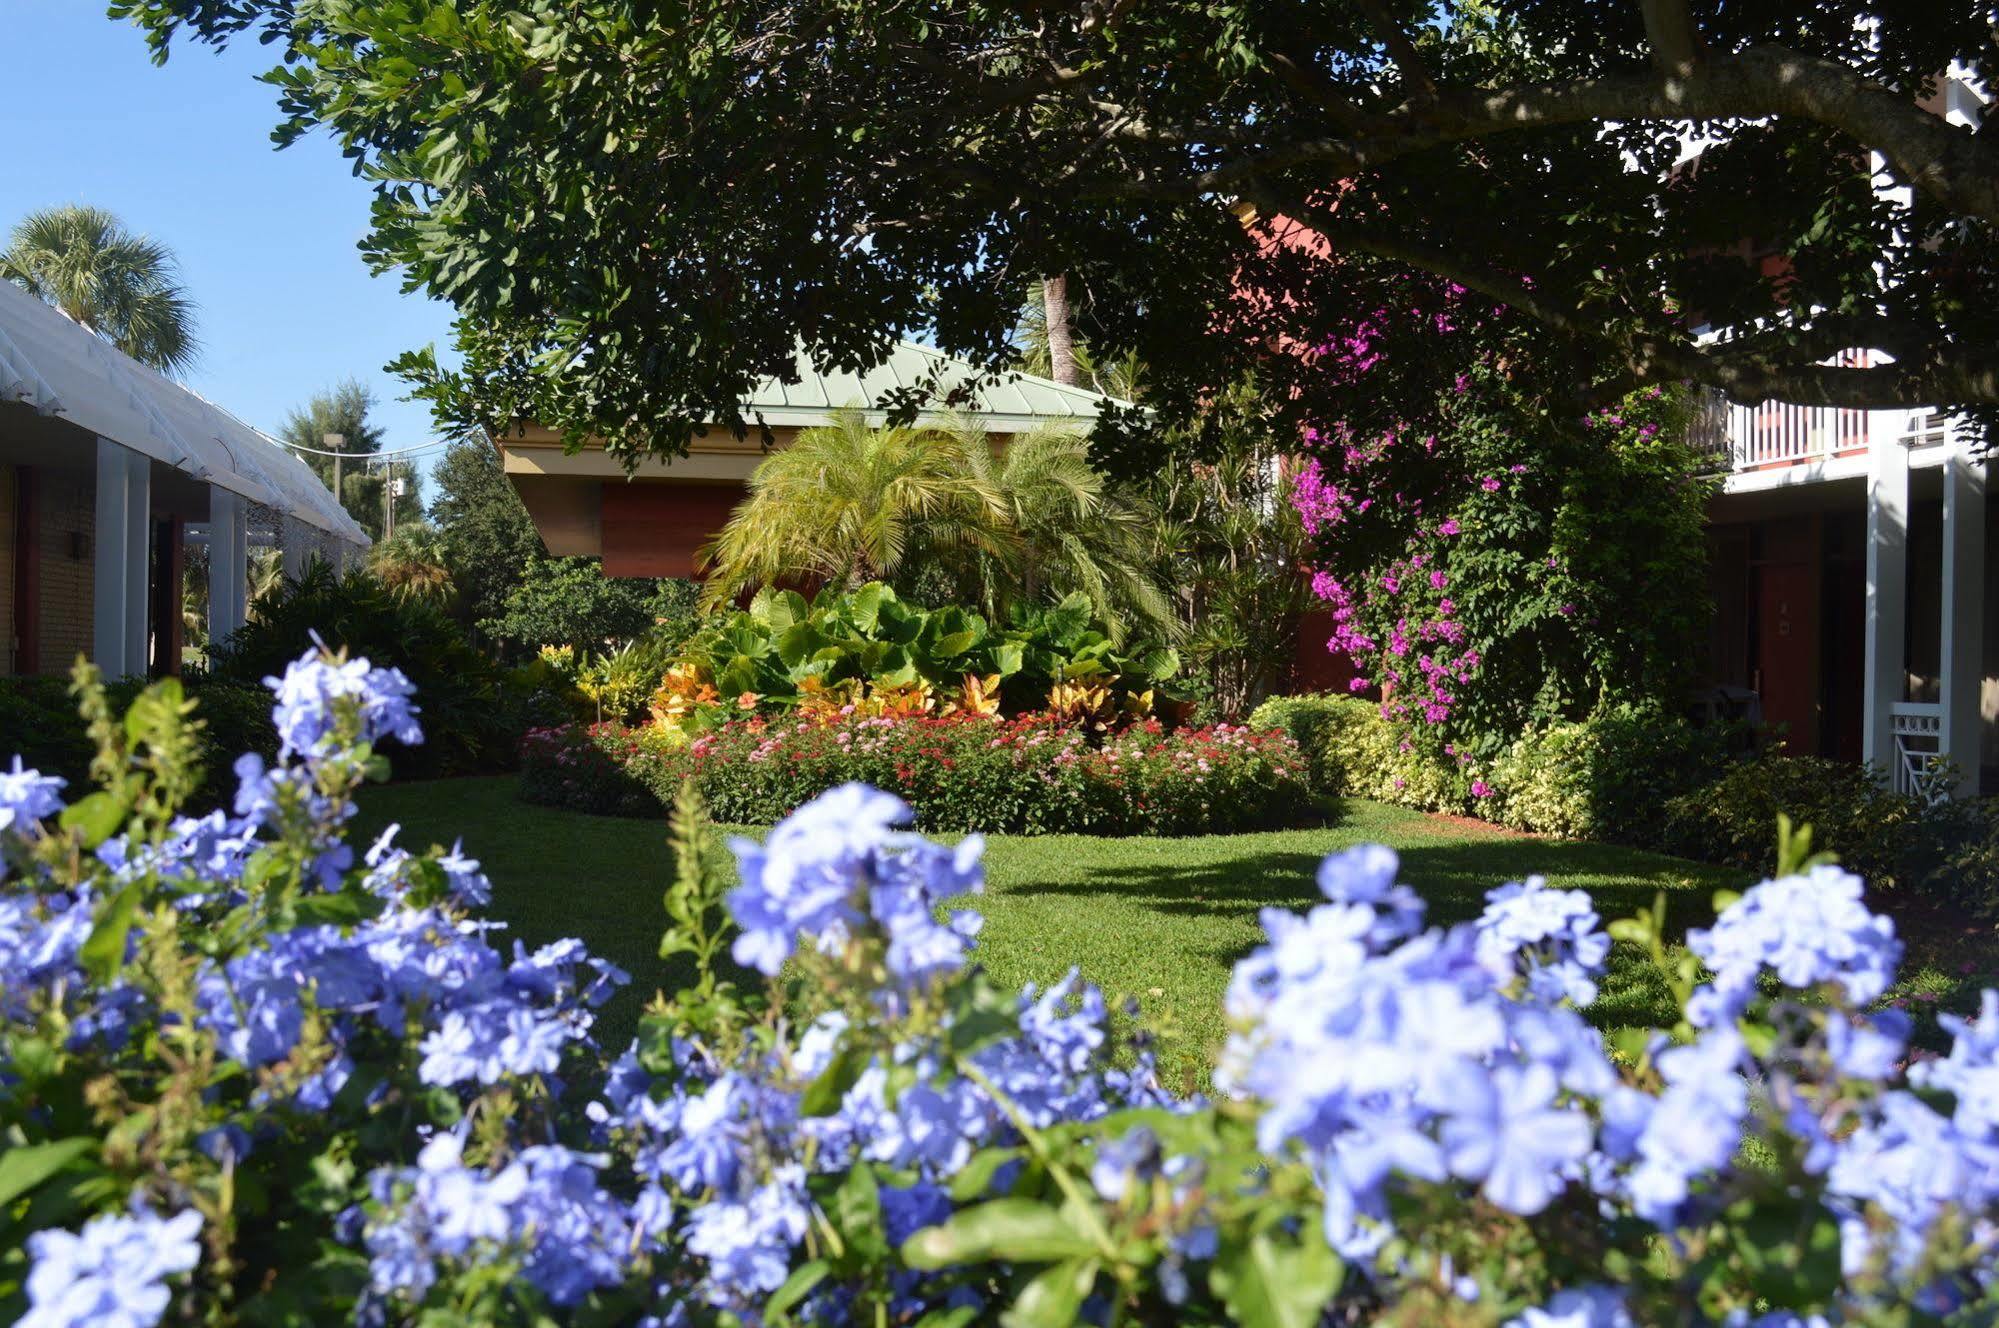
63,369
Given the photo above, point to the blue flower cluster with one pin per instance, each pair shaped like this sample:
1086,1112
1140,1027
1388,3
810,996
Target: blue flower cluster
1381,1052
112,1274
1379,1075
839,863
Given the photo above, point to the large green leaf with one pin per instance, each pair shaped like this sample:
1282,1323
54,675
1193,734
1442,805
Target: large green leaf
1052,1299
864,606
25,1167
1016,1230
1268,1285
103,951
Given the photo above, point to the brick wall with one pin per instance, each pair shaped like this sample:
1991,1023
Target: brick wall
68,508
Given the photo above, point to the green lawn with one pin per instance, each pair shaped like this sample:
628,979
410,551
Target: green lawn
1162,920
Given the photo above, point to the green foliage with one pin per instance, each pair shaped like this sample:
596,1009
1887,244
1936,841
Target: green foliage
784,650
470,717
38,719
1527,152
1606,776
488,536
1889,838
343,409
124,287
1966,873
1031,775
1352,751
996,528
1228,542
570,602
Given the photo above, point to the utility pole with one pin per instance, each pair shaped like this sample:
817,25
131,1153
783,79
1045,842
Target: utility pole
334,443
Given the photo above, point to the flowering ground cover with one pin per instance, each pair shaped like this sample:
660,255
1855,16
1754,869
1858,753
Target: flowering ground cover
1159,920
249,1073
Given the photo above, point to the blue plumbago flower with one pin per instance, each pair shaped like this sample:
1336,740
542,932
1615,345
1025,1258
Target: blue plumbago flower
1579,1307
1809,930
545,1206
1124,1164
1911,1163
112,1274
1971,1072
748,1240
839,863
1506,1131
39,940
1365,874
27,797
1691,1130
313,691
1550,935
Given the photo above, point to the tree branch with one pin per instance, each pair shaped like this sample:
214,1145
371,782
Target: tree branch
1669,28
1945,162
1400,49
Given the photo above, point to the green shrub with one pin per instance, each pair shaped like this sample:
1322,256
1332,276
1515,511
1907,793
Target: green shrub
783,649
1354,752
1887,837
471,718
1965,871
1028,775
1604,777
39,723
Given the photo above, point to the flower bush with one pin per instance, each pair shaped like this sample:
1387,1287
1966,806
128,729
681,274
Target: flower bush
1035,773
1490,569
250,1074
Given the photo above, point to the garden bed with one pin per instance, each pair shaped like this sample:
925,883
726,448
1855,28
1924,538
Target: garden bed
1030,775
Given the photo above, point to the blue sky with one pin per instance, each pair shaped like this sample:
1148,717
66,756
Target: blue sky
182,152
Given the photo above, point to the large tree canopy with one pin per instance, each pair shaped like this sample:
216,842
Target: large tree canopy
639,208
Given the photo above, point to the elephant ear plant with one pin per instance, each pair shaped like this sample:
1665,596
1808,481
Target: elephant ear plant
251,1074
783,650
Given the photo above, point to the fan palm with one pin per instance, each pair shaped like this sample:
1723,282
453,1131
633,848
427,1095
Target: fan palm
1071,531
848,503
1025,523
124,287
411,564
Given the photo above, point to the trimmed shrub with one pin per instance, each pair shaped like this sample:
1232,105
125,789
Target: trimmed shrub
1888,837
40,722
1352,751
958,772
1605,777
471,718
1966,871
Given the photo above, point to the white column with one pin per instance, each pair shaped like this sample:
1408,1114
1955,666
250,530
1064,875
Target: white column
228,578
138,561
1885,674
1962,655
292,534
109,571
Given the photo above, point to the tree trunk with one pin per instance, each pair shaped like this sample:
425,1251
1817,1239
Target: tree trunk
1061,340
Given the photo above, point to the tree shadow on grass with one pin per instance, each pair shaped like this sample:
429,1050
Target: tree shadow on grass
1453,879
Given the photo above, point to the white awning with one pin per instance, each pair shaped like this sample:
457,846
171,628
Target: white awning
61,368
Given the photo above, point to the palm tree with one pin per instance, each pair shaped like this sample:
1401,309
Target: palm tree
124,287
1071,531
846,504
412,564
1028,523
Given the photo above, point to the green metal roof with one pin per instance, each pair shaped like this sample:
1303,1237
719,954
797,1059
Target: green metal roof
1017,402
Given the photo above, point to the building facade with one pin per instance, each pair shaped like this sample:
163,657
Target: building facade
109,473
1852,576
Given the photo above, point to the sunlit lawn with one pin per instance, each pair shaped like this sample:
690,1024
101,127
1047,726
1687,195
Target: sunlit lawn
1160,920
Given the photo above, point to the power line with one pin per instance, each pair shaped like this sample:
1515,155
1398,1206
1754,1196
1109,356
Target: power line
397,452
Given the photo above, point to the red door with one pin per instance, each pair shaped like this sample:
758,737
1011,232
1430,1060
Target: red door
1787,650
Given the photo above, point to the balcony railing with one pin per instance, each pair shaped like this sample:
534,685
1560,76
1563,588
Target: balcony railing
1777,433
